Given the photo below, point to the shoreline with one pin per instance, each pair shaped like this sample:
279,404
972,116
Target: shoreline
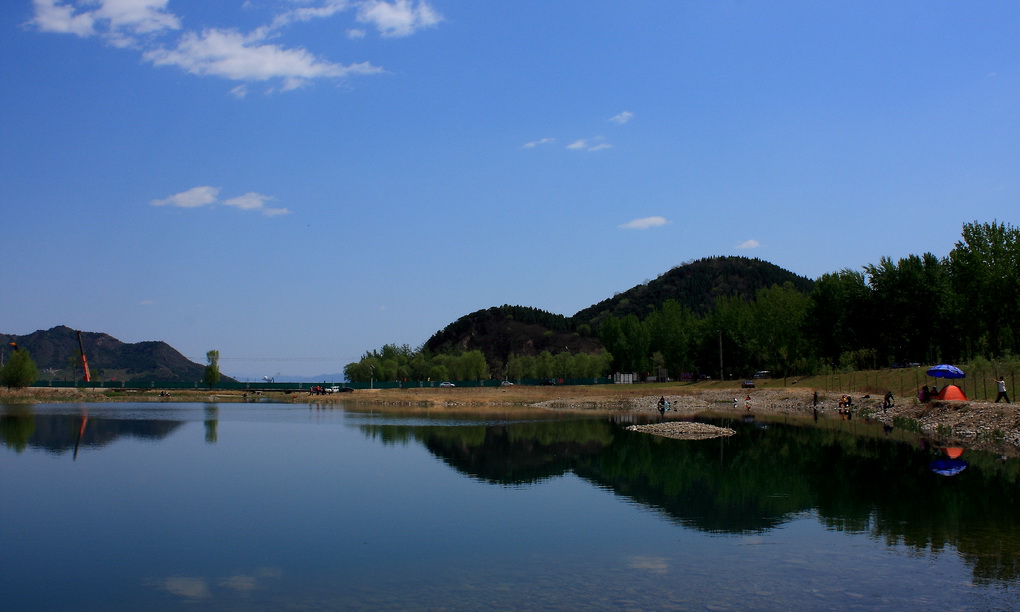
976,424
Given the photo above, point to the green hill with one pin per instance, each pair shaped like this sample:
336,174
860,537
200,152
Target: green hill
695,285
503,330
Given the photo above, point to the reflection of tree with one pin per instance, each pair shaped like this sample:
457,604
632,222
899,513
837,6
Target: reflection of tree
212,416
759,479
16,428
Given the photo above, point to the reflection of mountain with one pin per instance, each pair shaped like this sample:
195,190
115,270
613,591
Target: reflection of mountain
759,479
59,433
518,454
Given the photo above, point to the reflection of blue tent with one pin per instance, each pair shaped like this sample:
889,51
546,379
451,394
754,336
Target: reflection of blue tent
947,467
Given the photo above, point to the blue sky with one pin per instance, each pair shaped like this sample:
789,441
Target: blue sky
294,182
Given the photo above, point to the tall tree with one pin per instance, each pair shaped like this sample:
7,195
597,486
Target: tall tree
778,314
840,314
910,298
984,267
212,370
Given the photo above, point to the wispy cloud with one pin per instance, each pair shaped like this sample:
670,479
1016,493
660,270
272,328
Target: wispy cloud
234,56
585,144
622,118
119,21
541,141
229,53
749,244
399,18
204,196
645,223
257,202
192,198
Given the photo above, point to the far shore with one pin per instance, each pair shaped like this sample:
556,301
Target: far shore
974,424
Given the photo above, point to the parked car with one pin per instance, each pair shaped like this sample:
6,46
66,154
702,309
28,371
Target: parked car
747,384
763,374
506,383
447,384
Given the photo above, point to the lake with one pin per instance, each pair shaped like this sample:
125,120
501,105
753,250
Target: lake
294,507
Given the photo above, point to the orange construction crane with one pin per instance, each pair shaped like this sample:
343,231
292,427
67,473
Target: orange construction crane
84,361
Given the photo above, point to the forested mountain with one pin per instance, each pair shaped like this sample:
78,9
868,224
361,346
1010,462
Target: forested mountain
695,286
732,316
57,356
503,330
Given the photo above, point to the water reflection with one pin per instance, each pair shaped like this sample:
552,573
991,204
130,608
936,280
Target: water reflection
212,413
759,480
767,477
21,428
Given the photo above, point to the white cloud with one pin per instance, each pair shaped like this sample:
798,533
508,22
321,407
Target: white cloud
118,21
231,55
256,201
398,18
622,118
307,13
206,195
137,16
62,18
645,223
583,144
541,141
192,198
228,53
749,244
191,587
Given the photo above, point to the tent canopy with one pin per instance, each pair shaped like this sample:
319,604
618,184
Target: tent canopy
951,393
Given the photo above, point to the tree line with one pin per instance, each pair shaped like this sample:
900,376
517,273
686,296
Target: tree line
394,362
919,309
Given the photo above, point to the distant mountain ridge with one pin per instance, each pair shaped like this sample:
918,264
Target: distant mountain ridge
504,330
55,352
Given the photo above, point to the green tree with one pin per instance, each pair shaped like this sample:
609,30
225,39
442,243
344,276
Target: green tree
912,296
212,371
19,371
777,318
840,315
984,267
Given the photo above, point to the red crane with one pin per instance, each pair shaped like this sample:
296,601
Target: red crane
84,361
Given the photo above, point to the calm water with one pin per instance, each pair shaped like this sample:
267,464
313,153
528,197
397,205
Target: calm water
286,507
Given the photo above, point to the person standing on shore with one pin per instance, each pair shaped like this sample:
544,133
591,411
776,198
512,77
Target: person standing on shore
1001,383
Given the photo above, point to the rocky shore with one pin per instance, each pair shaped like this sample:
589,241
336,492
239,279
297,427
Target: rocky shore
980,425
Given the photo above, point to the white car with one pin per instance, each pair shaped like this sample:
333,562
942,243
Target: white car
447,384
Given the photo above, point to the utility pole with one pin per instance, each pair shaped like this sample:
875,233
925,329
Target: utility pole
721,378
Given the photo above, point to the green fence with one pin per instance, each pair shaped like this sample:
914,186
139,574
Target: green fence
308,386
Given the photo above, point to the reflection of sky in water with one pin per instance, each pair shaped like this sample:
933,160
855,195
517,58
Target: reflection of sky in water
298,506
